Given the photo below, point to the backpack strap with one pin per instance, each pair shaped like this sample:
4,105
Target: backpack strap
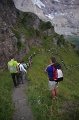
54,73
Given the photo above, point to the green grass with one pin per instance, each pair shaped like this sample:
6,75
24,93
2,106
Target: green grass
66,107
6,105
44,108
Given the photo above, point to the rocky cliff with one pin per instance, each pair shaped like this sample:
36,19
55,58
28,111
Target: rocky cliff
63,14
13,41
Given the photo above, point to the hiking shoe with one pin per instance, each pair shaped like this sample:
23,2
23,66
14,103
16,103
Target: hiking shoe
53,98
56,97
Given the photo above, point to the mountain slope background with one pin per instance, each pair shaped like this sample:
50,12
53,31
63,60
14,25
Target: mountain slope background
66,107
19,32
23,34
63,14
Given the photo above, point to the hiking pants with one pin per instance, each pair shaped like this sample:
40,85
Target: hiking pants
15,79
22,73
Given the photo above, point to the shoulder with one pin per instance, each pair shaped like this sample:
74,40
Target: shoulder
15,63
57,65
8,62
49,67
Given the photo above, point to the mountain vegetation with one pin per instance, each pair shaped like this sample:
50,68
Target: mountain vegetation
25,35
43,107
74,40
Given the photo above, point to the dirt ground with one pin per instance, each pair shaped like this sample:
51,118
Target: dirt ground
20,100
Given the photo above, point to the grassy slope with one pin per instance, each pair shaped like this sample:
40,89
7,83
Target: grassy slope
38,93
66,107
6,105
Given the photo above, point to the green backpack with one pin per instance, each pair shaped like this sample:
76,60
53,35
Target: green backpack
12,67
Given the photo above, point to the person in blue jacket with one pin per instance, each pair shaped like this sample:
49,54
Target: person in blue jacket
53,86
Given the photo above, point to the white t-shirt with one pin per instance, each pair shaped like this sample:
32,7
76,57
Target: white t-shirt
22,68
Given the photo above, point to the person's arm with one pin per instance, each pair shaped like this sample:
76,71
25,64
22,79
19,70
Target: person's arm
47,68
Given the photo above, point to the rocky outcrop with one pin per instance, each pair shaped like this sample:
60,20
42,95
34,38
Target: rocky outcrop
63,14
8,40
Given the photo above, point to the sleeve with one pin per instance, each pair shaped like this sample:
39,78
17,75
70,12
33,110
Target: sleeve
47,69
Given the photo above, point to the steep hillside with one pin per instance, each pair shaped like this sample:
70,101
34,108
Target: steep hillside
23,34
18,32
21,31
66,106
63,14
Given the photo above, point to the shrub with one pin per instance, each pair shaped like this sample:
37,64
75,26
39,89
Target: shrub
17,34
61,40
77,51
20,44
46,25
73,45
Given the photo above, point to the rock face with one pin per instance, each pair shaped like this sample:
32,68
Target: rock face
8,40
63,14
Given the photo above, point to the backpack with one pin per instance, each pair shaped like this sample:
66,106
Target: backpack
25,67
12,67
58,74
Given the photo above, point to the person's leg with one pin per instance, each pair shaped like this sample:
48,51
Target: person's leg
17,79
22,73
53,93
51,87
23,77
13,78
56,92
20,77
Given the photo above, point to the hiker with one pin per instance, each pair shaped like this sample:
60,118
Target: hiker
53,86
25,67
22,72
13,69
34,54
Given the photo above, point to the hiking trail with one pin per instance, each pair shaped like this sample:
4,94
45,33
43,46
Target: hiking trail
20,100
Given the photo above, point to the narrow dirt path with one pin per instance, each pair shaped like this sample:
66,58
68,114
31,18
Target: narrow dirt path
22,109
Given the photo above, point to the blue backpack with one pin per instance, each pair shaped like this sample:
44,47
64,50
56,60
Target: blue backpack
25,67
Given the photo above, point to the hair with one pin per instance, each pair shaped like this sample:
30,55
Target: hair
11,57
22,62
53,59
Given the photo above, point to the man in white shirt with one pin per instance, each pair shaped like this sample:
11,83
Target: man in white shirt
22,72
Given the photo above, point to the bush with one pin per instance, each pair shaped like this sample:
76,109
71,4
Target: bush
20,44
46,26
61,40
17,34
77,51
73,45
